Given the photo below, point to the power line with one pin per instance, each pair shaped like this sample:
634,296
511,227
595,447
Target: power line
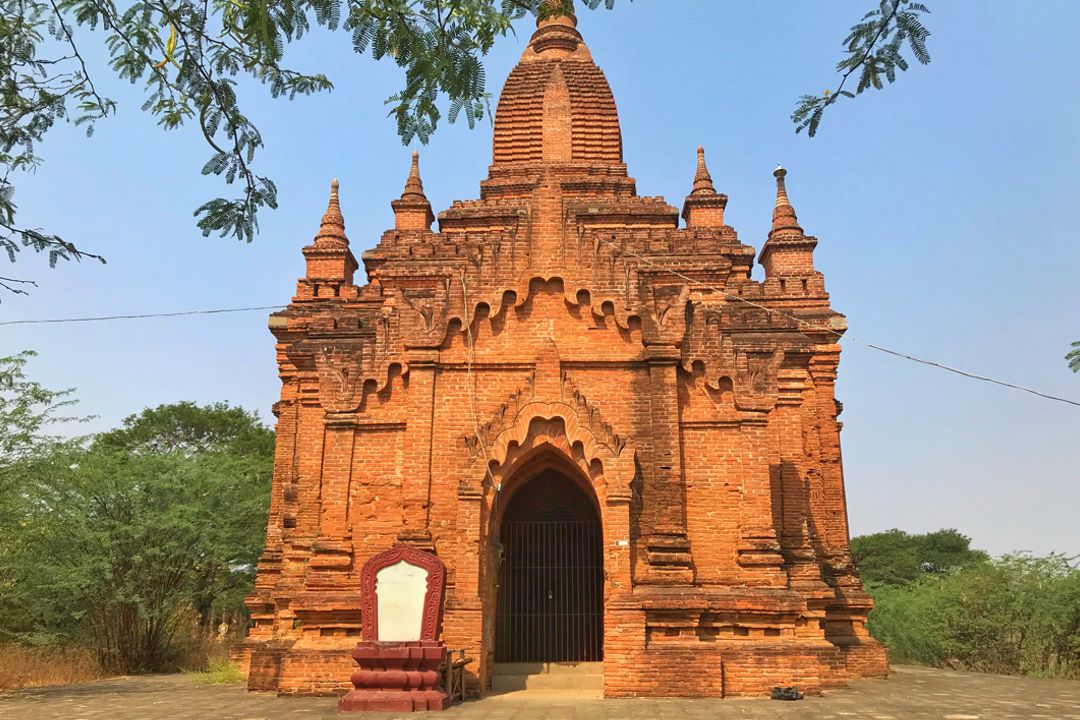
100,318
647,261
839,335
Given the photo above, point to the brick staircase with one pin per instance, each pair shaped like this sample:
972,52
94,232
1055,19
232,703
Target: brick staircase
585,679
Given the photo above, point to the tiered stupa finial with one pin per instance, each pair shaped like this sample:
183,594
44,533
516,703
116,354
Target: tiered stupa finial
414,186
788,251
332,229
330,262
702,180
412,211
556,33
556,12
784,218
704,207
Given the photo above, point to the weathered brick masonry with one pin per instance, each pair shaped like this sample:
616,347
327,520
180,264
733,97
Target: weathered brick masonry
563,324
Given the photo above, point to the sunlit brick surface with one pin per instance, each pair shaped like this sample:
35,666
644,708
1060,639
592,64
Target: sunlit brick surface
561,322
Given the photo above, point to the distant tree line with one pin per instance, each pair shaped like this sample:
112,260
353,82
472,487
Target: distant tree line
939,602
138,542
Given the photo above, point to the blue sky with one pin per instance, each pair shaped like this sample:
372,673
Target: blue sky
945,209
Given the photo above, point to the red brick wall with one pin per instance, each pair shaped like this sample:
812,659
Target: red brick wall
563,322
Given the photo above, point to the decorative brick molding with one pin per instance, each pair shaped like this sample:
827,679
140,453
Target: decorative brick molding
562,324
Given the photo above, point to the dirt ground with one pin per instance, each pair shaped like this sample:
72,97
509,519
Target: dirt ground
910,693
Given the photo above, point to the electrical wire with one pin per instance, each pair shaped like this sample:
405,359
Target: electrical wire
839,335
624,251
142,316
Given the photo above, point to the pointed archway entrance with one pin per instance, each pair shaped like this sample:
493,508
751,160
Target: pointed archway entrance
551,578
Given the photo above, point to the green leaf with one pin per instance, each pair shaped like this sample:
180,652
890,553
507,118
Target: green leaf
1073,357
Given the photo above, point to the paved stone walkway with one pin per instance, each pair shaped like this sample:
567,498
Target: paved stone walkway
909,694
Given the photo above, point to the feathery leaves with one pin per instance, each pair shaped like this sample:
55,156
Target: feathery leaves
874,50
1073,357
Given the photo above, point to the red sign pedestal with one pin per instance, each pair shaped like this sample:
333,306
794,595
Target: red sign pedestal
399,676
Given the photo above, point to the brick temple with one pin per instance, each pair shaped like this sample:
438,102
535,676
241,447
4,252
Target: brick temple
625,450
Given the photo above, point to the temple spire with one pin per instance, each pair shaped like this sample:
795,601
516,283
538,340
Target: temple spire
702,180
412,211
332,229
704,207
330,262
556,34
784,218
414,186
788,252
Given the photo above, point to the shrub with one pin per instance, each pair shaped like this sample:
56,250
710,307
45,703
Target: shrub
1016,614
137,544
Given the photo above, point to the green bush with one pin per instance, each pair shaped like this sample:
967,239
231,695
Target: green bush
135,543
1016,614
896,558
220,671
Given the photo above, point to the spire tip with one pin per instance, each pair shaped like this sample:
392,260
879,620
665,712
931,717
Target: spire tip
332,229
783,213
702,180
414,186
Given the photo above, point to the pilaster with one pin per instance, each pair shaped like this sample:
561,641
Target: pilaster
337,474
802,567
834,525
416,471
667,547
465,625
759,549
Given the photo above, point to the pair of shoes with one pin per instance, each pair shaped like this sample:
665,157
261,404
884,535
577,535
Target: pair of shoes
787,693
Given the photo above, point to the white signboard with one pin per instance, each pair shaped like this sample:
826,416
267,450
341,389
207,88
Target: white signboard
400,589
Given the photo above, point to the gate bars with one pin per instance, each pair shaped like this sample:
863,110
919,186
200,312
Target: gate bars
550,595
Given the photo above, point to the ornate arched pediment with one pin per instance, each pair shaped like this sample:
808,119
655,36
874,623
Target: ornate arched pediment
620,305
559,415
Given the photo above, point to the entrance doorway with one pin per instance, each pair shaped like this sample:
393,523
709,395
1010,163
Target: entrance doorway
551,580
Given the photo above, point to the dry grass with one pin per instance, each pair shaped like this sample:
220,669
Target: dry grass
206,659
22,667
218,672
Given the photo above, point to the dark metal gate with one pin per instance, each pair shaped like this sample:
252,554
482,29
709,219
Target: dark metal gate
551,592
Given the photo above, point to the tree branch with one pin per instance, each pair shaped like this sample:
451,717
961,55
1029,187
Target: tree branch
103,104
866,55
